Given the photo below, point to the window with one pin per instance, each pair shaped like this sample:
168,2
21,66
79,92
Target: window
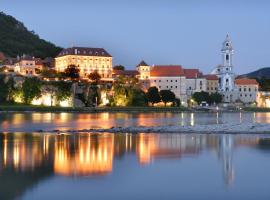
240,89
175,86
155,81
175,80
249,89
250,95
171,80
245,89
171,86
159,81
227,57
167,86
167,80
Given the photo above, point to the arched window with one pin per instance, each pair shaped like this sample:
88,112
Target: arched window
227,57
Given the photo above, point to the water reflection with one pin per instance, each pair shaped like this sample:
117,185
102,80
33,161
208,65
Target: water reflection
31,122
93,154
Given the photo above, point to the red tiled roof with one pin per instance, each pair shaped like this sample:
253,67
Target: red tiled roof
192,73
83,51
167,70
246,81
211,77
125,72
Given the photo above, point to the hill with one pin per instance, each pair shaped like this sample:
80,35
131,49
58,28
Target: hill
258,74
16,39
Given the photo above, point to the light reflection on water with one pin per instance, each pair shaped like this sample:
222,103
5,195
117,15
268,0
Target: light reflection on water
30,122
29,161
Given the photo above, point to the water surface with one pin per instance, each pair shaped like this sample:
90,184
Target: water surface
40,166
30,122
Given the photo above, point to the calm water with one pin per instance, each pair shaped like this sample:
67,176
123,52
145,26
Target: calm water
142,166
41,166
30,122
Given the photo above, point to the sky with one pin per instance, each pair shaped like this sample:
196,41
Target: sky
183,32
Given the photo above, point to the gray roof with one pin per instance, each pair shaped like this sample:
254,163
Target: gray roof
83,51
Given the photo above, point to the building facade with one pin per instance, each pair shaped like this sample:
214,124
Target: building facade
28,66
195,81
87,60
247,90
169,78
211,83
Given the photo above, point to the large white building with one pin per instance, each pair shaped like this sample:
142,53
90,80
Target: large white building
169,77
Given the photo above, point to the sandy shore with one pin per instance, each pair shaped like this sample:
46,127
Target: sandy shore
237,128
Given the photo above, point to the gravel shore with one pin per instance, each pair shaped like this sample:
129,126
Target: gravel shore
237,128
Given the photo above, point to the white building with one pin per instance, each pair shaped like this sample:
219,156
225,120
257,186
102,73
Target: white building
247,90
195,81
169,77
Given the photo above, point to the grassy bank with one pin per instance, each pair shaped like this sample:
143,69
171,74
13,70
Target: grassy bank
255,109
31,108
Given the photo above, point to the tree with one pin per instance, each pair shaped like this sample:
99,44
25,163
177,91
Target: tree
167,96
119,67
31,89
136,97
49,73
94,77
3,89
201,96
153,95
72,72
216,98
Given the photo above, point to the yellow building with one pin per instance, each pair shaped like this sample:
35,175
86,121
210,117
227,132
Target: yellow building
211,83
144,74
87,60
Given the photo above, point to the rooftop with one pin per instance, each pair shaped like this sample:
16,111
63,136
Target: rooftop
192,73
167,71
211,77
83,51
246,81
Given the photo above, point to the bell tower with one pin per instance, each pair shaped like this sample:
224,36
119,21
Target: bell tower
225,70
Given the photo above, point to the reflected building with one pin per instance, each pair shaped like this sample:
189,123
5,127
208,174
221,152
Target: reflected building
87,156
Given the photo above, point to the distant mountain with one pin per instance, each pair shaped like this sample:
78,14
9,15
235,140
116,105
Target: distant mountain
16,39
258,74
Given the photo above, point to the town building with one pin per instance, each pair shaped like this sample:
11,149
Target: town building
211,83
144,74
28,66
87,60
195,81
247,90
169,77
144,70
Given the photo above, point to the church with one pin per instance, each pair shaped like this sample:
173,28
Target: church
231,88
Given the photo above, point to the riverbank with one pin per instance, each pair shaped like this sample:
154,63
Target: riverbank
32,108
235,128
57,109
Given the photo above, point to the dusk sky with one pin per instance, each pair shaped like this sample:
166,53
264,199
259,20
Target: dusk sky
185,32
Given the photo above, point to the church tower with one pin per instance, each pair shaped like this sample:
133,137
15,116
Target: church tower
225,71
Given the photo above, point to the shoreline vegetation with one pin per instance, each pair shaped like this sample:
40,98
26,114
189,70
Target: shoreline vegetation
133,109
